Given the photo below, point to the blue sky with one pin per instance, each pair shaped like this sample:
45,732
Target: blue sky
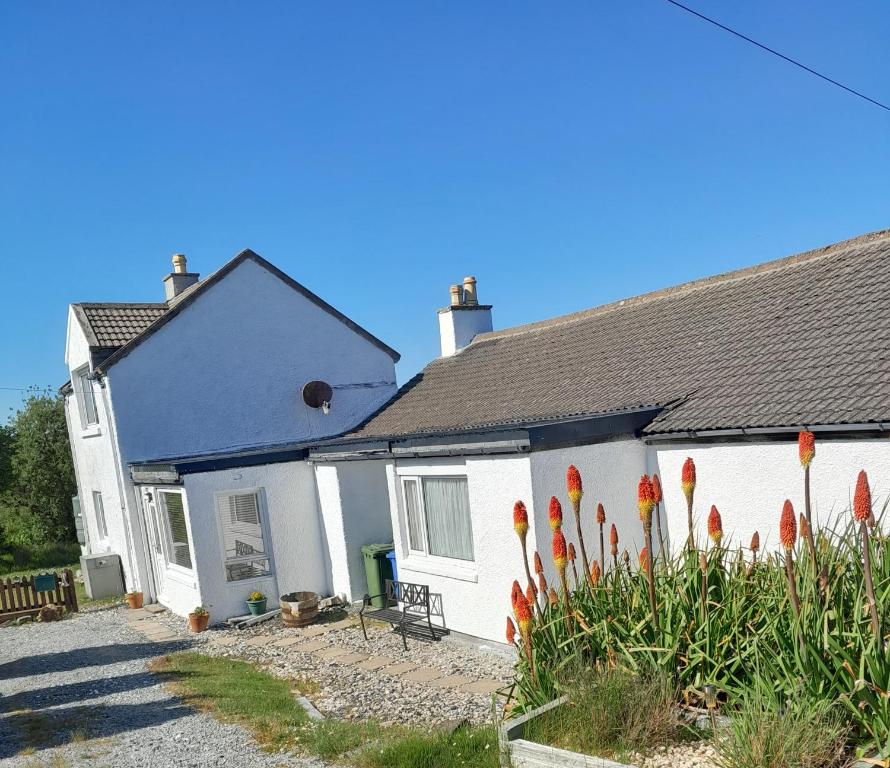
567,155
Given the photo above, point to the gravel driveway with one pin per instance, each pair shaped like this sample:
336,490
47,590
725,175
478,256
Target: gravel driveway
78,693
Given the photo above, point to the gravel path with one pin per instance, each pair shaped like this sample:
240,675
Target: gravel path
78,693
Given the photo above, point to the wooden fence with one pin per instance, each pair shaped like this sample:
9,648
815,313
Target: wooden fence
20,596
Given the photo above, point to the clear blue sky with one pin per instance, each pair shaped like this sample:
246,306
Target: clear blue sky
567,155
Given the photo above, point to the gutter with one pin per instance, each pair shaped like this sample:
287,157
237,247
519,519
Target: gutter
755,432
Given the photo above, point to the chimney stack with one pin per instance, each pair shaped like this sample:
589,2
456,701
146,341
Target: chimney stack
463,319
179,279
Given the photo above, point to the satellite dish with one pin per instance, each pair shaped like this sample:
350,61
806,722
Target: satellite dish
318,394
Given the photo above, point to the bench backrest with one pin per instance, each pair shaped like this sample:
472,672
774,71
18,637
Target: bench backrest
413,594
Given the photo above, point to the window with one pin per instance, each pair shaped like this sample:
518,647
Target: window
86,400
438,516
178,550
244,545
99,509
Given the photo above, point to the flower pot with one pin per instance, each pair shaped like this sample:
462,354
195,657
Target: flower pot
257,607
134,599
299,609
198,621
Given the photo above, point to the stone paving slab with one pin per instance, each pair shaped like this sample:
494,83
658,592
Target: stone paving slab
285,642
482,687
137,613
350,658
375,663
260,641
451,681
225,641
312,645
342,624
163,638
331,653
154,608
314,630
401,668
423,674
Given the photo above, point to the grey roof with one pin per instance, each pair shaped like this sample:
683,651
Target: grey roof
119,328
800,341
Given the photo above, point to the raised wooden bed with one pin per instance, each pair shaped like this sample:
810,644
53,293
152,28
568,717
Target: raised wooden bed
516,752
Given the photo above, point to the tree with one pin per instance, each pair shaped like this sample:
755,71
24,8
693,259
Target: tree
36,500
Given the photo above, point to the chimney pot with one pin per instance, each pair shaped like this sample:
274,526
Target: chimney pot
179,264
470,298
464,319
179,279
457,295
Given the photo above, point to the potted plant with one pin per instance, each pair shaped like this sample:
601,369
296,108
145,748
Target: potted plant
198,619
134,599
256,603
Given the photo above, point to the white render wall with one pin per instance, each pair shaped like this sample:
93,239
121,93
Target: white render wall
749,483
475,596
298,554
228,371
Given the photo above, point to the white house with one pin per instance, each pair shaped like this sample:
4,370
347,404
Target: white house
726,370
189,422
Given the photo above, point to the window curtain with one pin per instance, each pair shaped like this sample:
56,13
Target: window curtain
415,540
447,504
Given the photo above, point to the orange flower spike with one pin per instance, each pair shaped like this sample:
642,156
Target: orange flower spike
511,632
555,513
516,592
573,483
645,499
806,447
595,573
715,525
804,527
531,593
644,559
613,540
571,553
523,612
553,597
520,520
600,514
862,498
687,479
539,566
755,541
788,526
658,496
560,555
542,584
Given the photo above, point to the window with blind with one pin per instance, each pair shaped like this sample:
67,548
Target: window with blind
86,399
178,549
437,511
99,509
244,545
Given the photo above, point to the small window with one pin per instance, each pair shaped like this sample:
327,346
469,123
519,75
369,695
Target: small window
99,509
86,399
244,544
179,551
438,517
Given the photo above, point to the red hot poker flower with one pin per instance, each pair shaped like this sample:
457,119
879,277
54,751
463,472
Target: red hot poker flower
553,597
531,593
539,566
755,541
573,482
523,612
511,632
806,447
613,539
644,559
656,490
560,555
542,584
645,499
787,526
687,479
515,592
862,498
571,553
520,519
600,514
555,513
715,525
595,573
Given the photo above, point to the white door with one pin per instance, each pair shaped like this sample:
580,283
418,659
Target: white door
154,533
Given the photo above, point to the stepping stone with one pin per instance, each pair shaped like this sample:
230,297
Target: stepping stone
374,663
225,641
163,638
342,624
401,668
332,653
154,608
351,658
482,687
452,681
287,641
257,642
137,613
312,645
423,674
314,631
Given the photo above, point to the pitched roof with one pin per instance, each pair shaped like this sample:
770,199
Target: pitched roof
123,327
800,341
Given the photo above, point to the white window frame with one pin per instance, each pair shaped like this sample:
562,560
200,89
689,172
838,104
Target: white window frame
101,520
263,512
166,535
415,474
83,387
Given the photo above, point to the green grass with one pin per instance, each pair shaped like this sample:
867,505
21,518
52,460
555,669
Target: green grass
237,692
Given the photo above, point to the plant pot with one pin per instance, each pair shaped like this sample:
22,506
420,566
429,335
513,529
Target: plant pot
298,609
134,599
257,607
198,622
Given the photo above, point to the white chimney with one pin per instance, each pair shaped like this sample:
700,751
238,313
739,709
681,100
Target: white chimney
179,279
464,319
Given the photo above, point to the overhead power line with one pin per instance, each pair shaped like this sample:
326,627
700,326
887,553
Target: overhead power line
782,56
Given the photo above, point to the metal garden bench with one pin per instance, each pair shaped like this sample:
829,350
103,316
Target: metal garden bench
407,608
